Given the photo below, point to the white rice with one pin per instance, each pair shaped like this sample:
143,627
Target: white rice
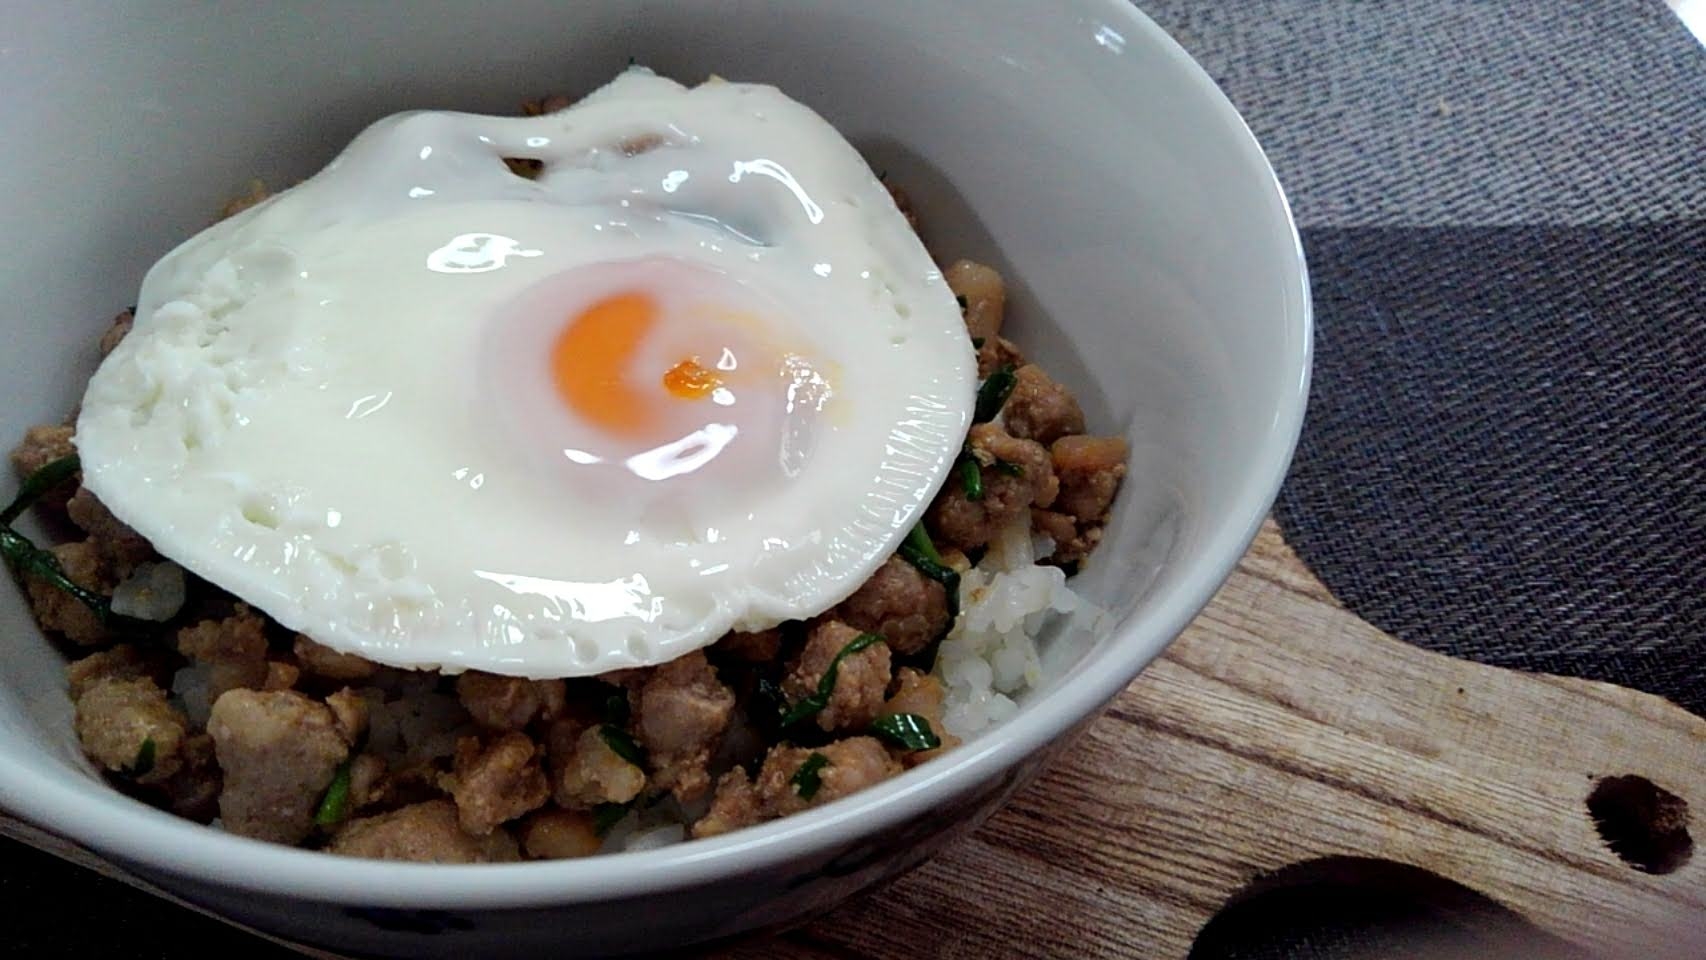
991,654
191,690
153,592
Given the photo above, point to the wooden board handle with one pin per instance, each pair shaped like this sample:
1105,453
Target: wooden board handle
1281,729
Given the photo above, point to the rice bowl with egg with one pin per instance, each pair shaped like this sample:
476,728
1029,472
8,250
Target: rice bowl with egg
447,638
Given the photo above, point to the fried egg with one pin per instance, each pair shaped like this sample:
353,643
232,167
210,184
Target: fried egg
696,375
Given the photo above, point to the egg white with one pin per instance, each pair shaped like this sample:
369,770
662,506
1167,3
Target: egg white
328,408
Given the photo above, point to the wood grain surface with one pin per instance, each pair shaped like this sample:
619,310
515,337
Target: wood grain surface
1281,729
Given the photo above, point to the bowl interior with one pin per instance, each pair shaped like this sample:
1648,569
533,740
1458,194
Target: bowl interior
1152,262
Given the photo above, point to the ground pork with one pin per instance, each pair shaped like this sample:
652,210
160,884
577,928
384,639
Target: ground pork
116,718
1071,544
60,612
508,703
122,662
257,192
849,766
234,648
983,296
497,782
904,607
680,716
41,446
853,764
350,710
903,203
193,790
422,833
241,636
368,784
734,806
1090,471
559,835
279,752
544,105
123,547
281,675
585,771
319,660
761,646
997,352
1026,480
1040,409
860,679
116,333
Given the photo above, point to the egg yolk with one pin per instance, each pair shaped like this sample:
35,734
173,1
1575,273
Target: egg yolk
592,356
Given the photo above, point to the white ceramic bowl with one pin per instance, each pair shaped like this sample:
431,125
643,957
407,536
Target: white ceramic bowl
1154,266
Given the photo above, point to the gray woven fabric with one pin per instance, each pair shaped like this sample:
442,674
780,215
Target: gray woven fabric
1504,208
1478,112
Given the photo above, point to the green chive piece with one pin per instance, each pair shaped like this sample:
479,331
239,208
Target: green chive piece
1010,468
616,709
144,763
50,475
809,777
917,550
993,393
813,705
907,730
28,558
971,477
334,805
608,815
621,744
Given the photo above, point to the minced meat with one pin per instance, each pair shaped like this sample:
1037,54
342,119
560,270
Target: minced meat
904,607
680,716
1017,475
426,832
279,752
860,679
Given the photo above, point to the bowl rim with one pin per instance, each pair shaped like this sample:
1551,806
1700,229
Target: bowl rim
156,841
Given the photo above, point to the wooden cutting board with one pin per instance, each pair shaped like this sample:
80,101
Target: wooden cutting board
1282,730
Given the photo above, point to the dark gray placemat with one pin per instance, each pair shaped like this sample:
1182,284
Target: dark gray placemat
1504,210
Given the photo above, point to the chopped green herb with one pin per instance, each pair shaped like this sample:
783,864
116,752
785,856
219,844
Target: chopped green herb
621,744
908,730
607,815
144,762
809,777
971,477
977,343
917,550
616,709
1010,468
993,393
813,705
47,477
768,694
334,805
26,557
